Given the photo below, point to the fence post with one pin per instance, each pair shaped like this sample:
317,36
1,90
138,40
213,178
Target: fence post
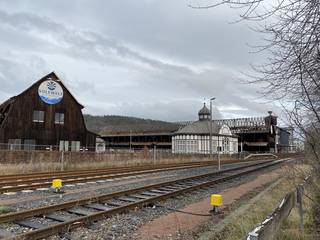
62,160
300,192
154,154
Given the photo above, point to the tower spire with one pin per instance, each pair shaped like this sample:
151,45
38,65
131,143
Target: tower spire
204,113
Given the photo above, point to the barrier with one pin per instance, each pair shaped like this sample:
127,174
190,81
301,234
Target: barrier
268,229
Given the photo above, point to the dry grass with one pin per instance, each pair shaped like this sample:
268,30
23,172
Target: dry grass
75,164
239,226
290,229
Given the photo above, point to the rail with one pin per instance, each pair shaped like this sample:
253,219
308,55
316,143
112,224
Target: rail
13,183
91,209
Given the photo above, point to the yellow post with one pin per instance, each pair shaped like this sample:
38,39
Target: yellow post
216,202
56,184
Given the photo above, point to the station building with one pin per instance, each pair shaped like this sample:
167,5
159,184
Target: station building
254,134
195,137
44,116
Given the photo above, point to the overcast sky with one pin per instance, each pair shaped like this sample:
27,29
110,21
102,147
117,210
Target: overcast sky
157,59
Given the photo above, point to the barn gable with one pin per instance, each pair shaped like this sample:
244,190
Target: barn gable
46,113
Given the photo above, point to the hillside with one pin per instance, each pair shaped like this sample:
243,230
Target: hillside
117,124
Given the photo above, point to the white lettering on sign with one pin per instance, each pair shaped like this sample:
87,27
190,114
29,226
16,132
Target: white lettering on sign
50,92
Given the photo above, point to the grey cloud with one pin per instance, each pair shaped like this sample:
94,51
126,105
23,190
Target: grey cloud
153,59
83,43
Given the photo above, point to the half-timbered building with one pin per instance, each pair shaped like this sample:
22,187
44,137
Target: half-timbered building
195,137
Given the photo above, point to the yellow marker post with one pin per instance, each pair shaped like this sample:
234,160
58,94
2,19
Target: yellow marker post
216,202
57,185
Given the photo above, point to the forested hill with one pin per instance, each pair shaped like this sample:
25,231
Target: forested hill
113,123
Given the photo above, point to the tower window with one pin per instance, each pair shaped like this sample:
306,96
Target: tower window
38,116
59,118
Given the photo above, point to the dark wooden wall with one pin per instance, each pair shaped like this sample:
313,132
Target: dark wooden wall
19,123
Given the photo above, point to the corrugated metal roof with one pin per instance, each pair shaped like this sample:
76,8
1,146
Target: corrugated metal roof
140,129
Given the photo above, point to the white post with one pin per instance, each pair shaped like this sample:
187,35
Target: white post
154,154
62,160
210,129
218,154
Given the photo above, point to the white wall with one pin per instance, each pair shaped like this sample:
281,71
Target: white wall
201,144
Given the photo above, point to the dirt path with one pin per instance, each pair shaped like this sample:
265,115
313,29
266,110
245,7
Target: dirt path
169,225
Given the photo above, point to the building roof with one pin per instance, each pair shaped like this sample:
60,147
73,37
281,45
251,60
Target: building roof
204,110
50,75
140,129
199,127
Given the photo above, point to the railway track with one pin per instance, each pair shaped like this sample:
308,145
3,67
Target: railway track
14,183
60,218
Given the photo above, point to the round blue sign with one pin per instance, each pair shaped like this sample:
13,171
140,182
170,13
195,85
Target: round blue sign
50,92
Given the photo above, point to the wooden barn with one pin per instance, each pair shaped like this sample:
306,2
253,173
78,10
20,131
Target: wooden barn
45,116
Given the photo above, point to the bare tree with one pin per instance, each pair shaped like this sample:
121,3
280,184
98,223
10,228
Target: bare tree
292,71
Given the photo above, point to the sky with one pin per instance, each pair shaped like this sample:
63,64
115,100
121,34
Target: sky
156,59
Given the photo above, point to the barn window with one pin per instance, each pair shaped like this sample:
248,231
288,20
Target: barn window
14,144
38,116
29,144
75,146
63,145
59,118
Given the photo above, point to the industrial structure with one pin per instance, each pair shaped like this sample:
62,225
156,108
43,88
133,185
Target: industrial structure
45,114
260,134
204,137
140,136
255,134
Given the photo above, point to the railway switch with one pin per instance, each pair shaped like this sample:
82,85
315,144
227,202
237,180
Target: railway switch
57,185
216,202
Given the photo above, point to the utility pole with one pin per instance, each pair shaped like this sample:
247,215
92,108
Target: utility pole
211,152
219,167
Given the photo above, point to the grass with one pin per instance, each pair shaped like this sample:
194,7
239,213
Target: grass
290,229
241,224
73,163
4,209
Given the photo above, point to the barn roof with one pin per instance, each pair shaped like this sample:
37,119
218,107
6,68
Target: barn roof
5,104
56,78
52,75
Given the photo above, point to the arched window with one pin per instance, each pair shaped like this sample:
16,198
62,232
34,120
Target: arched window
225,145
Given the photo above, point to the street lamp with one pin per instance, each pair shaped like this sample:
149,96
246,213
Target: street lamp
211,152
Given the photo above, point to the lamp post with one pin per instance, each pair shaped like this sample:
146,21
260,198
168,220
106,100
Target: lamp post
211,152
130,140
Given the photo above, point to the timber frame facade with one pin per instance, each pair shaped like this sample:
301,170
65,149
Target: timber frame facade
32,119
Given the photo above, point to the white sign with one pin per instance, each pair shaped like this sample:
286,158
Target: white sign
50,92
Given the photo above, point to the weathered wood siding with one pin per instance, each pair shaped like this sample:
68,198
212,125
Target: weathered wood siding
19,123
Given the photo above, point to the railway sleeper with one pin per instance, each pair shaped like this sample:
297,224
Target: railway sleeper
128,199
58,217
30,224
80,211
98,206
139,196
